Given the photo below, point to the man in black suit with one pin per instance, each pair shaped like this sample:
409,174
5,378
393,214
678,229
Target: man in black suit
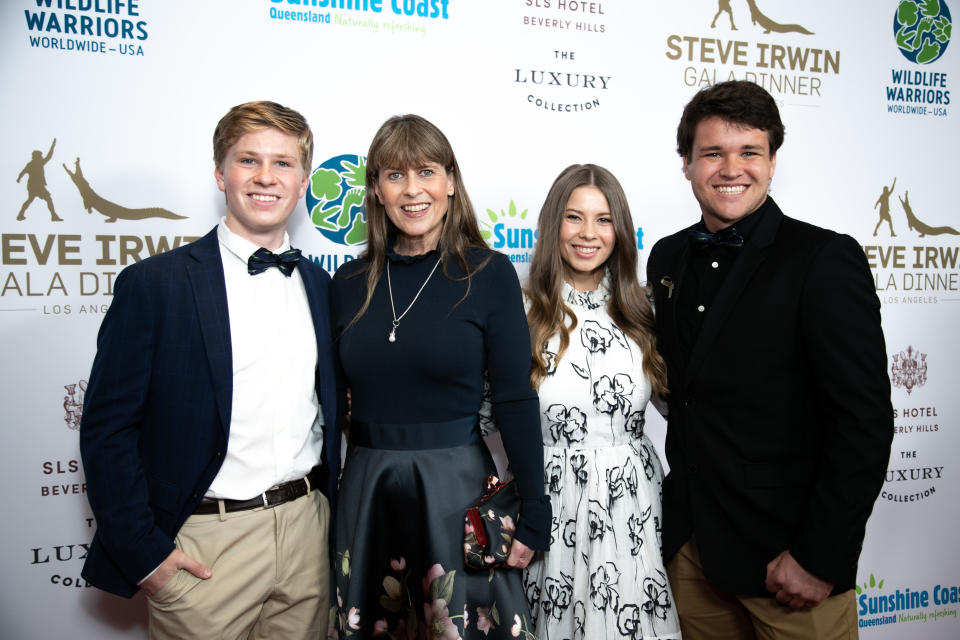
780,419
209,434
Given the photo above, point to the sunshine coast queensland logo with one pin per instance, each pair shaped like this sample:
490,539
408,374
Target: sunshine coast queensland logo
921,30
509,232
781,57
335,206
386,16
66,273
879,604
920,263
96,27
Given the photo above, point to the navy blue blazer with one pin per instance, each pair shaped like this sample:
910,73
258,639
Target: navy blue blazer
780,421
156,415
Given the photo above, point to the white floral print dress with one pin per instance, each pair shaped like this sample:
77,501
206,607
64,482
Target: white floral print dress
603,576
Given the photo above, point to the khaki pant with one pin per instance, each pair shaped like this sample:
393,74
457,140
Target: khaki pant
709,614
271,576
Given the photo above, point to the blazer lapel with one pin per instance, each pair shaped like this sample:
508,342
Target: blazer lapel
317,306
210,297
752,255
666,310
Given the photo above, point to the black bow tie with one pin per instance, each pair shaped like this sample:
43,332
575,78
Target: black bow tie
262,259
728,237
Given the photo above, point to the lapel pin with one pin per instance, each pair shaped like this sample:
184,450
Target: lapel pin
667,281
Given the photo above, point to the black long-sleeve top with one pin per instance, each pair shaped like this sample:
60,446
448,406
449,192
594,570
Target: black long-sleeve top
433,372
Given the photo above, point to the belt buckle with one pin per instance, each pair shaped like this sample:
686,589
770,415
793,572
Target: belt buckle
266,503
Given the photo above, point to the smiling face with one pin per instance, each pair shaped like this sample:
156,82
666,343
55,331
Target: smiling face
587,237
415,199
730,168
263,181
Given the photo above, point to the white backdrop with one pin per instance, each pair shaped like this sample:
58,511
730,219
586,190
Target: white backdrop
131,90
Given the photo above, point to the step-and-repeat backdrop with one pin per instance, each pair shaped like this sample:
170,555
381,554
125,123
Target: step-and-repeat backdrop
107,112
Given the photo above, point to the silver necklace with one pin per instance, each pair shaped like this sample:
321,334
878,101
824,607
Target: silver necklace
396,319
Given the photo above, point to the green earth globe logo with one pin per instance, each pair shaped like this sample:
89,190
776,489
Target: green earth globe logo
335,199
922,29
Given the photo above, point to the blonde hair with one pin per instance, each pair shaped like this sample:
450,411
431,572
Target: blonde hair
262,114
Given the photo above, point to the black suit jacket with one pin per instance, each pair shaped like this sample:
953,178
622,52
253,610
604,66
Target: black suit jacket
780,423
156,415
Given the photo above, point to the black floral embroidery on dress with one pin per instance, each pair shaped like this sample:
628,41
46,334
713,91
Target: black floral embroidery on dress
635,423
578,464
556,595
630,476
570,533
612,395
628,622
570,423
603,592
595,336
658,598
635,524
599,520
616,486
550,360
553,473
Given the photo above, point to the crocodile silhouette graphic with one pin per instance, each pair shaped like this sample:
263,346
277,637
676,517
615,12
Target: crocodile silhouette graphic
758,18
110,210
922,228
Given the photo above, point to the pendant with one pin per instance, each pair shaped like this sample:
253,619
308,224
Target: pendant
393,336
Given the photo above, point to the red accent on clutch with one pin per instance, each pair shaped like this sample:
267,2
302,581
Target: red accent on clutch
476,522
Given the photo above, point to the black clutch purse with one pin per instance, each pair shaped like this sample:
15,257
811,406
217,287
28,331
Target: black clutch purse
489,525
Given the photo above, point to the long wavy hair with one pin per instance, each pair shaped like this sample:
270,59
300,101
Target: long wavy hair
628,303
409,141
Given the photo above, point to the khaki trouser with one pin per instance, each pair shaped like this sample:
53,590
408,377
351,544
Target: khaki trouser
271,575
709,614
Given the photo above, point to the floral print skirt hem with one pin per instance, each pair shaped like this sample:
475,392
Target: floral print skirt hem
399,550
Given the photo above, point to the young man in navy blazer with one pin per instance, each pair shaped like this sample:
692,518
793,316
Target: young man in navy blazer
209,435
780,421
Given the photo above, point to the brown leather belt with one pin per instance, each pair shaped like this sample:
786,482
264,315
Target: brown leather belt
270,498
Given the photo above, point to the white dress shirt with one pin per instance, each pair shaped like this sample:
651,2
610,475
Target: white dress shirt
276,426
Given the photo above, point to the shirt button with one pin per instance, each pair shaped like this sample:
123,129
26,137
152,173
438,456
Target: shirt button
701,308
714,264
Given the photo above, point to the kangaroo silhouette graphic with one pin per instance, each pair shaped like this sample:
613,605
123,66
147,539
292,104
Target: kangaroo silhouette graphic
110,210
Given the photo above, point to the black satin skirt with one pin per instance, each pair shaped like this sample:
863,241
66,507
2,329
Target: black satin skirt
399,538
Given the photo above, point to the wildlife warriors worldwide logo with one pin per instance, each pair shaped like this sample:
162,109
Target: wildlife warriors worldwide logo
37,189
757,17
335,199
922,29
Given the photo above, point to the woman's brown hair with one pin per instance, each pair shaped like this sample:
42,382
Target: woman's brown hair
628,303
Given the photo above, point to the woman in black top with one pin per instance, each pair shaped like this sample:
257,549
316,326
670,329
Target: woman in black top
418,319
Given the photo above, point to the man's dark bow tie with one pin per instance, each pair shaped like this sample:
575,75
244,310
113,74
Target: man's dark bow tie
262,259
728,237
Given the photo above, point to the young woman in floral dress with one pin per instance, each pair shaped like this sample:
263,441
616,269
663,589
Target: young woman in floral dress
595,364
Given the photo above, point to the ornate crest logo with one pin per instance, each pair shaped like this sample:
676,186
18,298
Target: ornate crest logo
73,404
909,369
